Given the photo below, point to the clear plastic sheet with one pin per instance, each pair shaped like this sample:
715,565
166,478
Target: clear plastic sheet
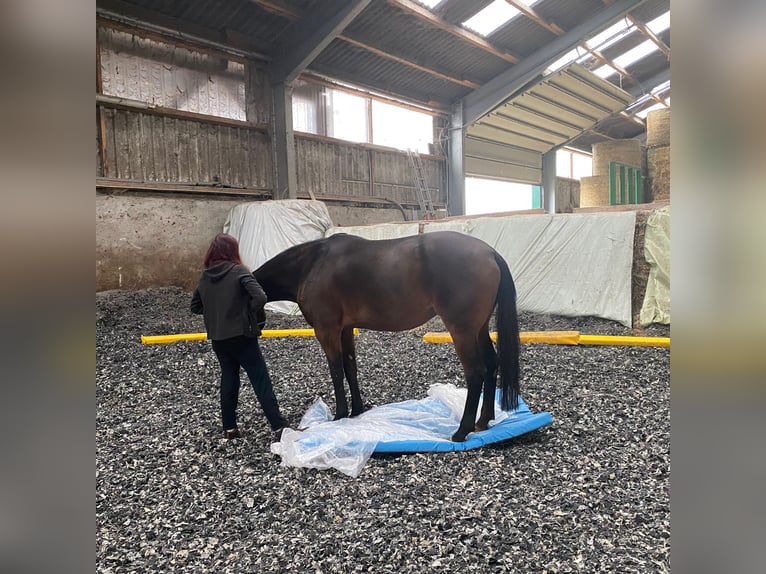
347,444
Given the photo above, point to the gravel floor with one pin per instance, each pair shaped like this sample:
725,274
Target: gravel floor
586,494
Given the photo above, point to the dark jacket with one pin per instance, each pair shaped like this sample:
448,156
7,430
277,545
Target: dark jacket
231,301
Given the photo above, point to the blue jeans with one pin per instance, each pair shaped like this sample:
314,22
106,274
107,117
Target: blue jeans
244,352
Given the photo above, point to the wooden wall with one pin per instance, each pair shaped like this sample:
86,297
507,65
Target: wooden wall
169,115
151,147
330,167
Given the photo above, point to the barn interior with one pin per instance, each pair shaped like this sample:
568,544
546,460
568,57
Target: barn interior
389,111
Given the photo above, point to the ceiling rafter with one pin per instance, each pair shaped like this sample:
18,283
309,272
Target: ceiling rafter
306,38
535,17
293,16
664,48
426,15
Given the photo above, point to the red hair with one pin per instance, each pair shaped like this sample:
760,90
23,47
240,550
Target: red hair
224,247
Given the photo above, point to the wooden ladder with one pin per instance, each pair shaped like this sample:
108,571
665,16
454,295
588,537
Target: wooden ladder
421,187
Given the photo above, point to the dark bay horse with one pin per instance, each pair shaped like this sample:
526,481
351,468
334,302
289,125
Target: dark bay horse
343,281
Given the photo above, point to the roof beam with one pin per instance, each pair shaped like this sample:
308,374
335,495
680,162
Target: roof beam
535,17
424,14
648,85
294,17
303,42
486,98
643,28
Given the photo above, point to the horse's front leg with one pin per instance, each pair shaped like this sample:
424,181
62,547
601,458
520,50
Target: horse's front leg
330,342
348,348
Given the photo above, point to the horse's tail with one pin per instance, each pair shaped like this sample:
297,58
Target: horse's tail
508,345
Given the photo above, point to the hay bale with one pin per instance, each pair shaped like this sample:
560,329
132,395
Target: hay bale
623,151
594,191
658,163
658,128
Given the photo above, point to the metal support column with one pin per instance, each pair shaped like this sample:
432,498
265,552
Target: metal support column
285,172
456,166
549,181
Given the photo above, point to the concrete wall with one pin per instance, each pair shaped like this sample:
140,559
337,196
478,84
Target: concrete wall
154,241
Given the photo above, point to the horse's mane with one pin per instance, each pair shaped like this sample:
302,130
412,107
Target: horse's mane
281,275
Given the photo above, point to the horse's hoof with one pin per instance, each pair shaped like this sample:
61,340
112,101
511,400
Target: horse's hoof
480,426
364,409
459,436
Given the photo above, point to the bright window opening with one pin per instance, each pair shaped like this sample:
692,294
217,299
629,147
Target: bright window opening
492,196
573,164
318,109
401,128
348,120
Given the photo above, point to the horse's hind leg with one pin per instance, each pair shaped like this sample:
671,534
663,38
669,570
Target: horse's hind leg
348,349
490,380
469,353
331,344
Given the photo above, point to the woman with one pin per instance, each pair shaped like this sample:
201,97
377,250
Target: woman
229,298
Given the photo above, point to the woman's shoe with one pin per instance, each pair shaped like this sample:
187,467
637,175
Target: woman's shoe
232,433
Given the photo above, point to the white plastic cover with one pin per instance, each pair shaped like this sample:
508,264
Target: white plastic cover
266,228
574,265
656,306
347,444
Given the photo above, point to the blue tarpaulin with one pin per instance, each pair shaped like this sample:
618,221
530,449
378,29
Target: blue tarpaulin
424,425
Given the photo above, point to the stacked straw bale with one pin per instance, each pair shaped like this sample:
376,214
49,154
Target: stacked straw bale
623,151
594,191
658,153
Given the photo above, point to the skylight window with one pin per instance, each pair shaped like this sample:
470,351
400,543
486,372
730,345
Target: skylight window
605,71
635,54
661,87
494,16
660,24
624,60
565,60
611,35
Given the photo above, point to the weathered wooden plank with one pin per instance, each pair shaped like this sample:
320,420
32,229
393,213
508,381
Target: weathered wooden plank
158,149
147,152
121,146
184,166
170,139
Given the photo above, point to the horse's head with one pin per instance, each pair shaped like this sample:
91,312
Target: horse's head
282,275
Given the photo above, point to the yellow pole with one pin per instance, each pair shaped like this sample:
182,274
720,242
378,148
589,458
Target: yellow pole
632,341
161,339
565,338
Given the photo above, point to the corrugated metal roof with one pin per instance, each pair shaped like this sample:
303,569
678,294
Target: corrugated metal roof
521,36
412,39
458,11
403,37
